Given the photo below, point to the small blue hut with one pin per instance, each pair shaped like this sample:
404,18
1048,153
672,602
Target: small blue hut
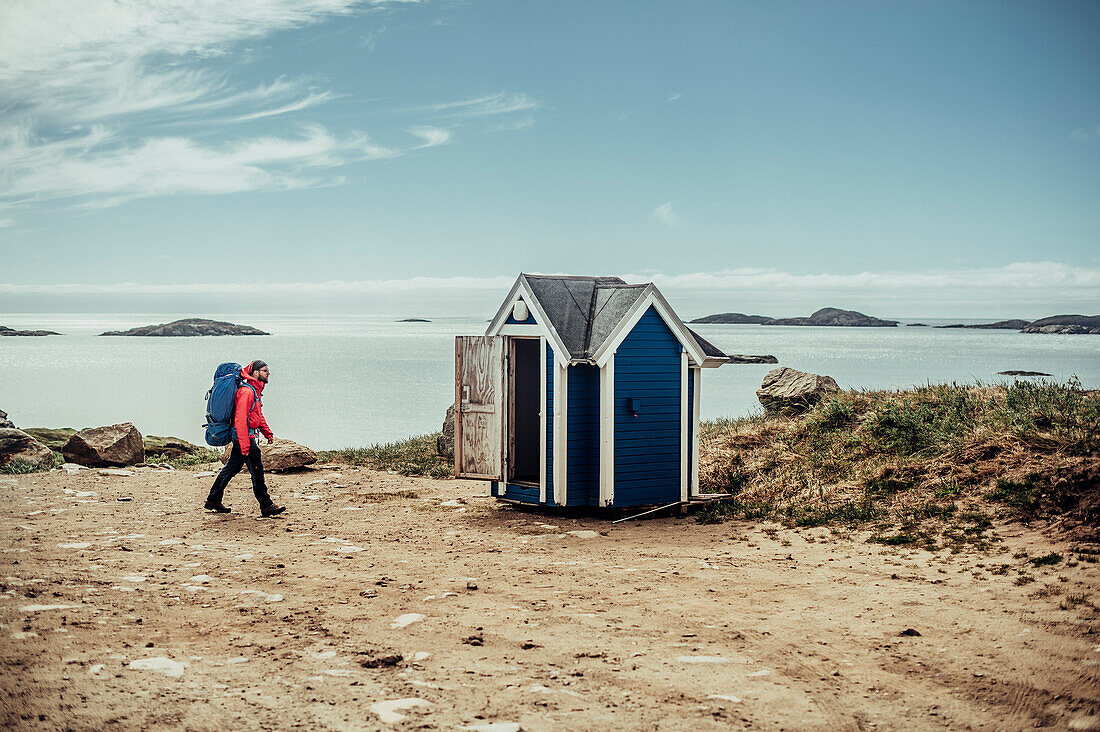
584,391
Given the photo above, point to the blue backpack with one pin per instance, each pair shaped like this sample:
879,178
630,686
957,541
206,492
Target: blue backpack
220,400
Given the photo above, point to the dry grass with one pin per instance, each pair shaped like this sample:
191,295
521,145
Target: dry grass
414,456
925,466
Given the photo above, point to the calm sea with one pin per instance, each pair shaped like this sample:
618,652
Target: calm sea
341,381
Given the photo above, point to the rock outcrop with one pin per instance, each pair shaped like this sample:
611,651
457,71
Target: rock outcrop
114,445
1065,324
6,331
162,449
445,443
189,327
789,391
999,325
280,455
18,445
735,319
840,318
5,423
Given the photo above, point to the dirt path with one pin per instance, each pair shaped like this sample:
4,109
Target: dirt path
504,616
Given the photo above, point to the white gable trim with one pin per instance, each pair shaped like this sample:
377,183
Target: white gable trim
521,290
651,297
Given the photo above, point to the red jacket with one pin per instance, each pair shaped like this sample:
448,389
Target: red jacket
248,415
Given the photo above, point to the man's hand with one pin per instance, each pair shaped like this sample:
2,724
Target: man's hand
271,440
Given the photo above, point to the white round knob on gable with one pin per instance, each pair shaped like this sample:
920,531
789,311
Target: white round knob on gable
519,311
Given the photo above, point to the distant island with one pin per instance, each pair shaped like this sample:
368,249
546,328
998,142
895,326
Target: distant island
1065,324
189,327
6,331
824,316
735,319
999,325
1058,324
414,320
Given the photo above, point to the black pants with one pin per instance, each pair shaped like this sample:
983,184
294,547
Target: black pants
233,466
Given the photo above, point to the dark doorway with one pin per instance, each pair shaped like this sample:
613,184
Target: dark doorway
526,403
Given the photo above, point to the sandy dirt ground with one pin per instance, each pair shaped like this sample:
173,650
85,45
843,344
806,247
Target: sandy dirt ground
384,602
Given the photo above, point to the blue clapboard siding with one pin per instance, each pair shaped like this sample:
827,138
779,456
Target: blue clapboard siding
549,400
583,430
647,446
525,493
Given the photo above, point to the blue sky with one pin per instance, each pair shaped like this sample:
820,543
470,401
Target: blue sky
903,158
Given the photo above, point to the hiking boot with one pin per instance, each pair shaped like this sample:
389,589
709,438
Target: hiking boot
216,507
271,510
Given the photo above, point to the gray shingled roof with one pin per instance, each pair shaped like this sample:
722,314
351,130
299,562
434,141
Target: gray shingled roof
585,310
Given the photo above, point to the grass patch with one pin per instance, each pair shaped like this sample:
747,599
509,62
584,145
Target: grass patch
1046,560
201,456
22,467
935,456
414,456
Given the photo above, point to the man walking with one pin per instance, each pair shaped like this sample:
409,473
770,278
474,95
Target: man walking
248,424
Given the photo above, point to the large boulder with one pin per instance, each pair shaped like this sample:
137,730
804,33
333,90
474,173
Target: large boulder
18,445
445,443
791,391
5,423
104,447
280,455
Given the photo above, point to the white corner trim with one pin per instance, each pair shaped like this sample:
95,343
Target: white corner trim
696,375
542,420
684,479
650,298
607,432
561,442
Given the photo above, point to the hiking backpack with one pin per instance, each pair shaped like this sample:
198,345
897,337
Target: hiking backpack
220,400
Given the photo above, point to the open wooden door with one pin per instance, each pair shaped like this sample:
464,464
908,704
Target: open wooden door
479,407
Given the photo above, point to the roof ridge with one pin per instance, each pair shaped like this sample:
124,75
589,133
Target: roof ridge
590,318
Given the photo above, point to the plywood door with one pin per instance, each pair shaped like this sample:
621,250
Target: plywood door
479,406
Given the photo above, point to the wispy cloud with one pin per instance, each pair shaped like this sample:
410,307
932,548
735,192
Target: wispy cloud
495,104
1014,277
1018,277
665,214
92,86
1083,134
96,169
305,103
673,97
431,136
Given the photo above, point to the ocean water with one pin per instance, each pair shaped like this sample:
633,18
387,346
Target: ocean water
344,380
